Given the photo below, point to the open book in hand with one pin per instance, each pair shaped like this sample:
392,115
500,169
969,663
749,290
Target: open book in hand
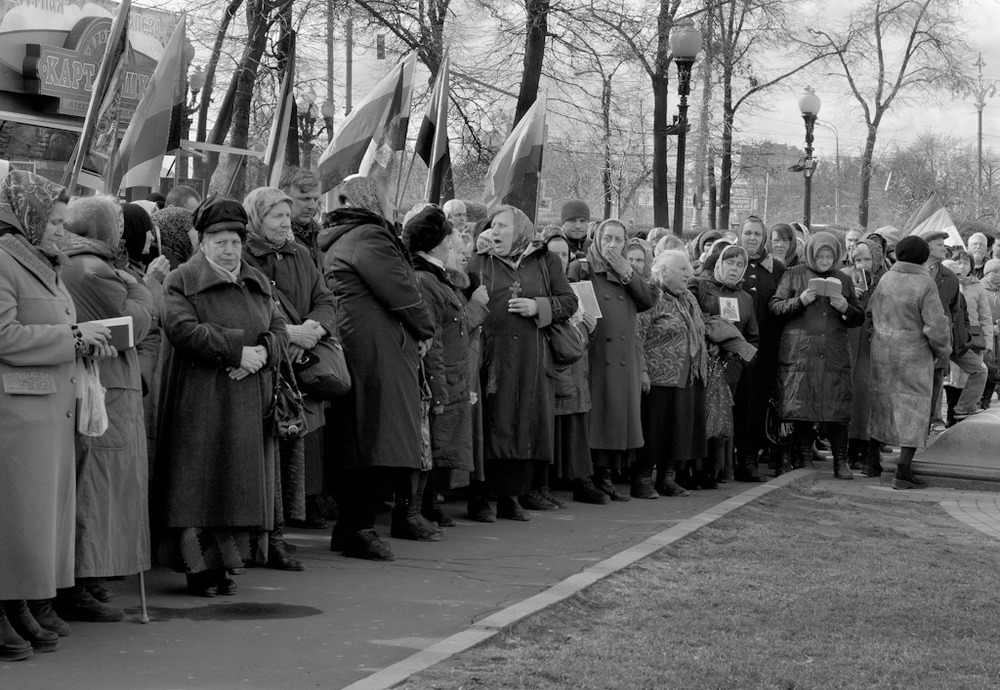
826,287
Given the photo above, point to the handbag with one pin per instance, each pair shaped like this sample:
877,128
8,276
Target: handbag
288,410
565,340
322,371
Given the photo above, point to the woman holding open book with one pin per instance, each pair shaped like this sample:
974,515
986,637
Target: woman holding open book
818,304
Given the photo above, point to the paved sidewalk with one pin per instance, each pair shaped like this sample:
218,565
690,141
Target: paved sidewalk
343,619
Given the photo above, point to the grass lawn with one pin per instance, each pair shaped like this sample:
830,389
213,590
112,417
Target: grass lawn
802,589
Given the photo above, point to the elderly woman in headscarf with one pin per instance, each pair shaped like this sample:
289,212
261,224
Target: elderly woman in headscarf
386,328
910,331
615,373
40,342
215,449
818,305
862,452
991,283
310,313
674,368
528,291
112,524
726,307
175,225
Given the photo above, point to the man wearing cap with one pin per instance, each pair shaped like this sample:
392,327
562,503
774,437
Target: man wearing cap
575,216
954,308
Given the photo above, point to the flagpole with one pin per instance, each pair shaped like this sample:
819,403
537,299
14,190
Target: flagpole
72,173
399,176
409,170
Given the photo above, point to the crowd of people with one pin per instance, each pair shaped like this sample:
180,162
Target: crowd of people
486,357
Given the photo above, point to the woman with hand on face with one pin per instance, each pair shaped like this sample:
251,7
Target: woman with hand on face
814,359
528,291
862,452
40,342
293,274
615,369
215,456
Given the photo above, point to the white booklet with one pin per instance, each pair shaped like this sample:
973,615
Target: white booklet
588,300
122,335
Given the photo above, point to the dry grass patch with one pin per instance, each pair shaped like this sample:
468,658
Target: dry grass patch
801,589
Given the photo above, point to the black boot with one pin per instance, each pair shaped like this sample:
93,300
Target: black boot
42,611
784,460
804,451
667,485
25,625
904,478
367,544
746,469
408,523
13,647
642,486
478,506
278,556
509,509
430,508
856,453
872,465
584,491
841,470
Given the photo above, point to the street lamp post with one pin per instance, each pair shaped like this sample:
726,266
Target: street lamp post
307,119
980,90
685,43
809,107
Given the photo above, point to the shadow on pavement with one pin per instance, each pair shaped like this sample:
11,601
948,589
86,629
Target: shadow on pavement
237,611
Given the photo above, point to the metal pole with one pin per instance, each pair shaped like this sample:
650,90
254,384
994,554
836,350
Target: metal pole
349,80
683,89
979,166
810,120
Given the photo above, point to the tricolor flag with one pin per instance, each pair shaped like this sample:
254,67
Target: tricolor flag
373,128
140,156
277,142
515,169
432,140
100,126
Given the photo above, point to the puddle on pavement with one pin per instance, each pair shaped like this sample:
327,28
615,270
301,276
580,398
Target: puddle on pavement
237,611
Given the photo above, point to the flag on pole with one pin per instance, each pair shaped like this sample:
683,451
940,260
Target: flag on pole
277,142
380,157
432,140
139,158
362,131
519,161
100,126
932,215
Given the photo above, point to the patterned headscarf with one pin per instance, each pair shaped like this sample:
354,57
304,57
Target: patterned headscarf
524,231
258,203
361,192
731,252
818,241
878,255
29,198
174,223
595,255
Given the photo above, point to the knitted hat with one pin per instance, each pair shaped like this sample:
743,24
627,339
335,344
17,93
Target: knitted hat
575,208
991,265
217,213
913,249
426,229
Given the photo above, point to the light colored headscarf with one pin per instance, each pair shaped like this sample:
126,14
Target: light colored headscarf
524,231
991,274
817,241
361,192
636,243
258,203
596,256
731,252
29,199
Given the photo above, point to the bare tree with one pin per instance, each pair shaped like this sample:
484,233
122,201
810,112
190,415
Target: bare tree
891,49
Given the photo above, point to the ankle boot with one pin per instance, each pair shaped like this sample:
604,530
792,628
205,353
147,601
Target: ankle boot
804,453
904,478
42,611
87,608
27,627
841,470
431,509
642,486
872,465
408,523
785,461
746,469
668,485
855,453
13,647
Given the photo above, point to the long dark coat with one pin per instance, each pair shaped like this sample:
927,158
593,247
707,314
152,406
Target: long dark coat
708,291
446,368
615,364
215,456
756,386
861,342
814,360
112,470
910,330
383,317
518,414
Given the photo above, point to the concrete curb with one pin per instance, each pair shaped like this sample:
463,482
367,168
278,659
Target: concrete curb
489,626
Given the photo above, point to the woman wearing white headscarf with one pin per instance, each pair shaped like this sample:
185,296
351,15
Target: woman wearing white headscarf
528,291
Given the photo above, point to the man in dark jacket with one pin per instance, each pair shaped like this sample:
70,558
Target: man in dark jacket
952,300
302,186
575,218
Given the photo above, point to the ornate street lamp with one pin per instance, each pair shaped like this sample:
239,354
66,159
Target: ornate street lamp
809,107
981,89
685,44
